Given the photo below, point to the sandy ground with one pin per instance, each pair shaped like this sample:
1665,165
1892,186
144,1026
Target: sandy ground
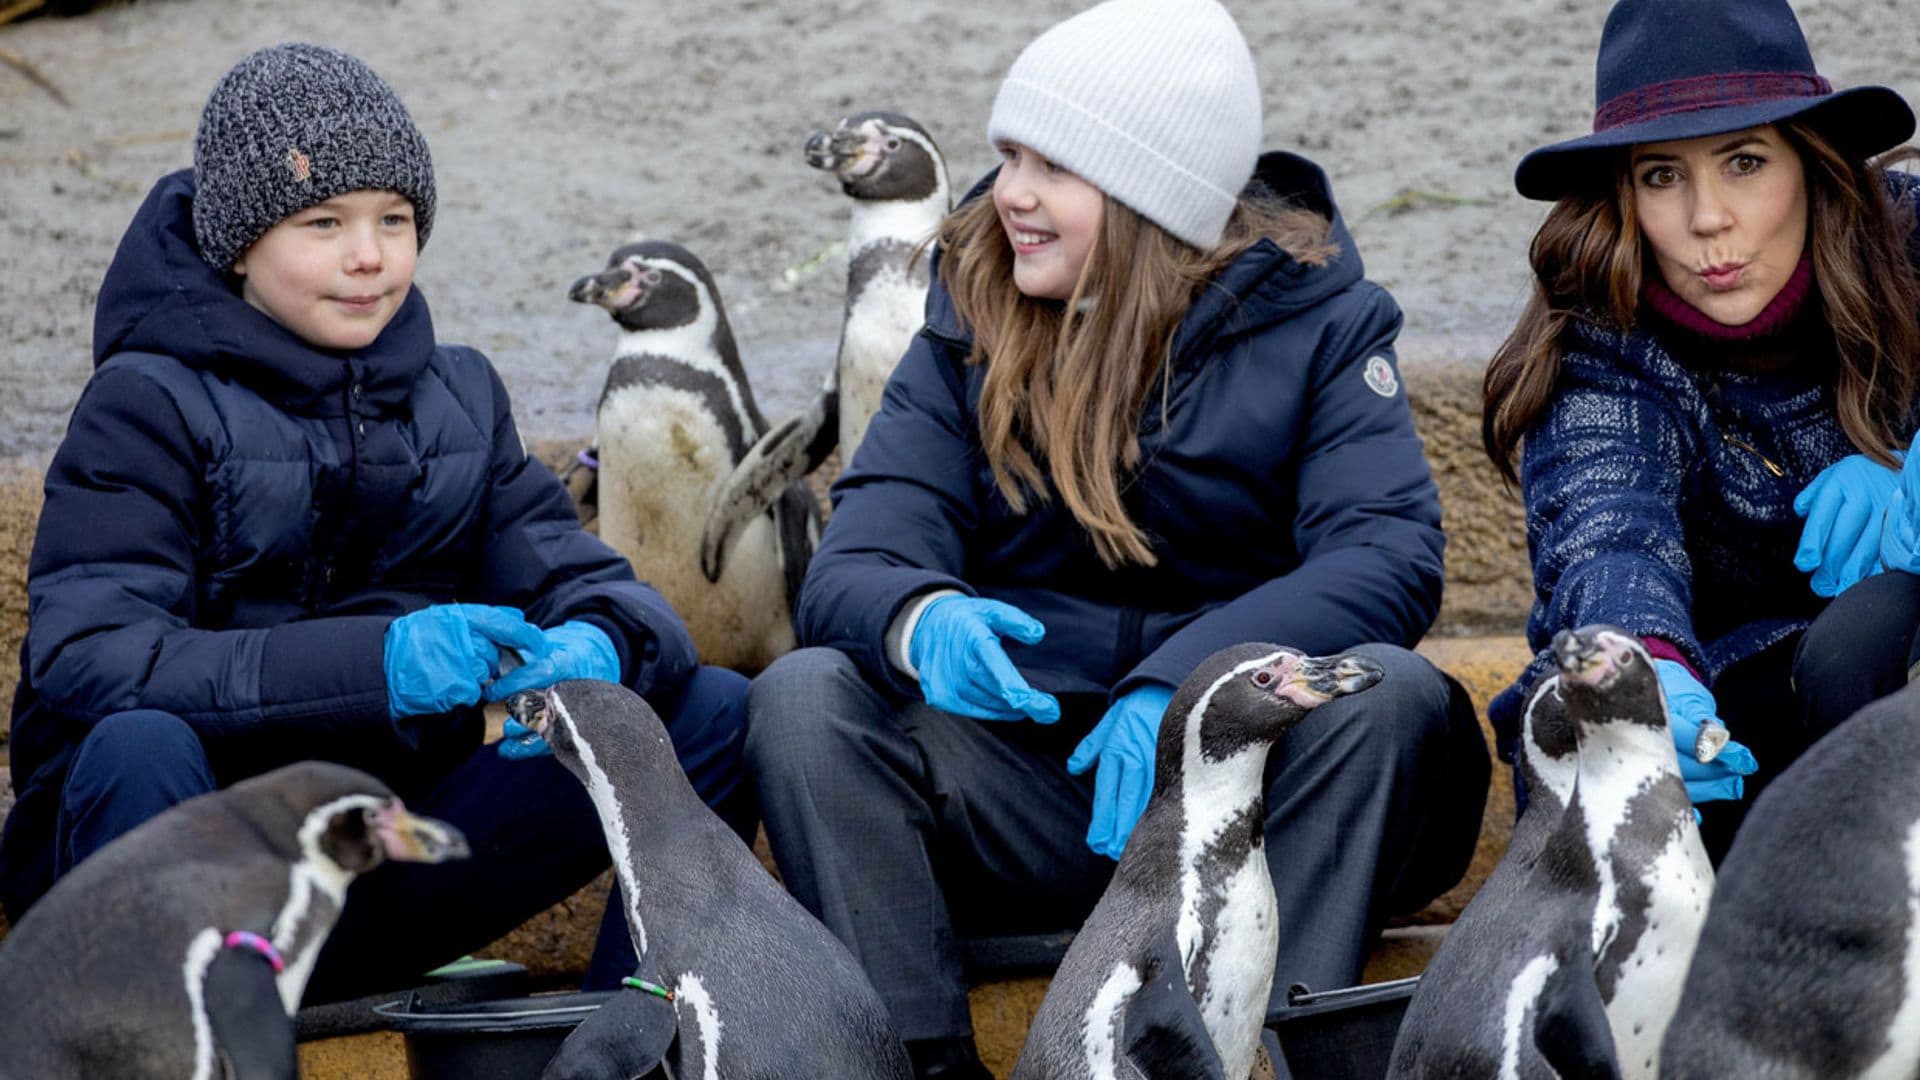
561,130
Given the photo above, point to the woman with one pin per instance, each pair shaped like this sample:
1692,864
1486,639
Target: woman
1154,412
1721,341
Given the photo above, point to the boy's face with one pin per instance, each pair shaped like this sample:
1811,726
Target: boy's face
334,273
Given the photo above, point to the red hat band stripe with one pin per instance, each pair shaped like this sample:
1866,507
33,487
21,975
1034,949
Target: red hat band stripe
1706,92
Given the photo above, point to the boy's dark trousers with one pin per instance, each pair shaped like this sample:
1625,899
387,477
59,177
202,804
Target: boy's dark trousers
534,834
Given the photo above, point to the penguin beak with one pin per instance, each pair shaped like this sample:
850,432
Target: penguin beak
821,150
531,708
410,837
613,288
1310,681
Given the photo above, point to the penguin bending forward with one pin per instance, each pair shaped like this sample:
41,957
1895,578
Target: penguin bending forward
892,170
1810,966
754,987
182,948
675,417
1170,974
1458,1025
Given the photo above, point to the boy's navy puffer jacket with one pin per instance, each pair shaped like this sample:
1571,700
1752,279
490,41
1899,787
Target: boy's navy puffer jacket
234,517
1284,491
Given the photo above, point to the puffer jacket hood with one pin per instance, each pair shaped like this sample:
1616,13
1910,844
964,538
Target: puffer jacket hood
160,296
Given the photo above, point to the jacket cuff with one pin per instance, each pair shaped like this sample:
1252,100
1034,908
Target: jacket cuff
1662,649
326,667
900,633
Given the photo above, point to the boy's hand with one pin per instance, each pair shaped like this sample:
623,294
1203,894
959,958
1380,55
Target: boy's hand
572,650
442,657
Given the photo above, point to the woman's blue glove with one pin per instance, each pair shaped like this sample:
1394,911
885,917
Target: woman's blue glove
963,669
1844,507
1900,536
572,650
442,657
1123,742
1690,707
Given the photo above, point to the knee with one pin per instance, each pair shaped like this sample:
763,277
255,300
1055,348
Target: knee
1404,720
141,746
801,707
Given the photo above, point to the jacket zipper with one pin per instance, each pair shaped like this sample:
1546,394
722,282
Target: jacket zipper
1749,448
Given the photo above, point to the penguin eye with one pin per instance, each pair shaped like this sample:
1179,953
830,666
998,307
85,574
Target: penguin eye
1262,678
650,276
893,143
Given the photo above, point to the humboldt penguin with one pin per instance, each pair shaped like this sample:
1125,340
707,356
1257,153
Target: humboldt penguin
1810,965
893,171
181,949
675,417
759,988
1170,974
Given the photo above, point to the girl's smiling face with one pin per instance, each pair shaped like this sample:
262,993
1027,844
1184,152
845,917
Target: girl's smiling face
1051,217
1726,217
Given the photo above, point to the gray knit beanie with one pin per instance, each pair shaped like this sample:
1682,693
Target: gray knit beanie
293,125
1154,102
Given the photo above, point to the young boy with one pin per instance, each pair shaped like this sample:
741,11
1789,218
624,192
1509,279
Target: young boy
286,523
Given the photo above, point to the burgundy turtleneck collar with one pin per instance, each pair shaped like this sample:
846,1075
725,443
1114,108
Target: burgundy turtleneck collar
1779,313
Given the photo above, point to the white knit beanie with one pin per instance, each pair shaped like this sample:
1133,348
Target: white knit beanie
1154,102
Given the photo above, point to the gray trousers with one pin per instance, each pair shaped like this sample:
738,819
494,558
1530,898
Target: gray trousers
903,827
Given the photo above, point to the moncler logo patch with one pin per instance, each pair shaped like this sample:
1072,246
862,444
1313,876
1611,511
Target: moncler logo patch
1379,376
299,165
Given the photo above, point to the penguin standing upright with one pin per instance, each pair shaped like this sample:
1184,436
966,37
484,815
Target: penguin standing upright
1170,974
758,988
1810,965
181,949
894,172
675,417
1457,1024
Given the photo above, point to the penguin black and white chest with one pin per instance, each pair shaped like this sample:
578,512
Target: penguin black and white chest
182,948
1653,880
1810,966
1170,974
893,171
675,417
1465,1016
760,989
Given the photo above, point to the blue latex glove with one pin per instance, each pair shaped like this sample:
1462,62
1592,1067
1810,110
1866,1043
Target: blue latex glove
1690,706
963,668
572,650
443,656
1123,742
1900,535
1844,507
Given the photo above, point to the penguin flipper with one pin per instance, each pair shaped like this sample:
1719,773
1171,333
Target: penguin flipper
1570,1028
794,448
251,1030
627,1036
1161,1032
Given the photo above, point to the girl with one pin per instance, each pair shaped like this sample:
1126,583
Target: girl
1722,341
1154,412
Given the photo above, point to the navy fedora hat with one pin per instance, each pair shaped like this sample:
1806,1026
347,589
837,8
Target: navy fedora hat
1680,69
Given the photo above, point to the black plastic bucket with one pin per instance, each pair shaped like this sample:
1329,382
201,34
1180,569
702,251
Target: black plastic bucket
502,1039
1342,1034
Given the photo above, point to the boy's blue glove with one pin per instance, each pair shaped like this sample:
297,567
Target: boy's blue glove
1900,535
572,650
962,667
443,656
1690,706
1123,742
1844,507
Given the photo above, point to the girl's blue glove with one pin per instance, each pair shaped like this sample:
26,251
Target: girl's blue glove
442,657
1123,742
963,668
1900,535
1690,706
572,650
1844,507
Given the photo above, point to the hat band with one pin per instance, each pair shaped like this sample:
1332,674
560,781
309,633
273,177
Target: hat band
1706,92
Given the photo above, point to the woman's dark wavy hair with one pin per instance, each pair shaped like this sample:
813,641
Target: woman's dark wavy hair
1588,263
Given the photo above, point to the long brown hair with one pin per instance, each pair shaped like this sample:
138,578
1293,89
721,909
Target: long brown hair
1588,263
1066,381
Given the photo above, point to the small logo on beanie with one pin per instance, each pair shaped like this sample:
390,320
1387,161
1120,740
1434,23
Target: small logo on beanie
299,165
1379,376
